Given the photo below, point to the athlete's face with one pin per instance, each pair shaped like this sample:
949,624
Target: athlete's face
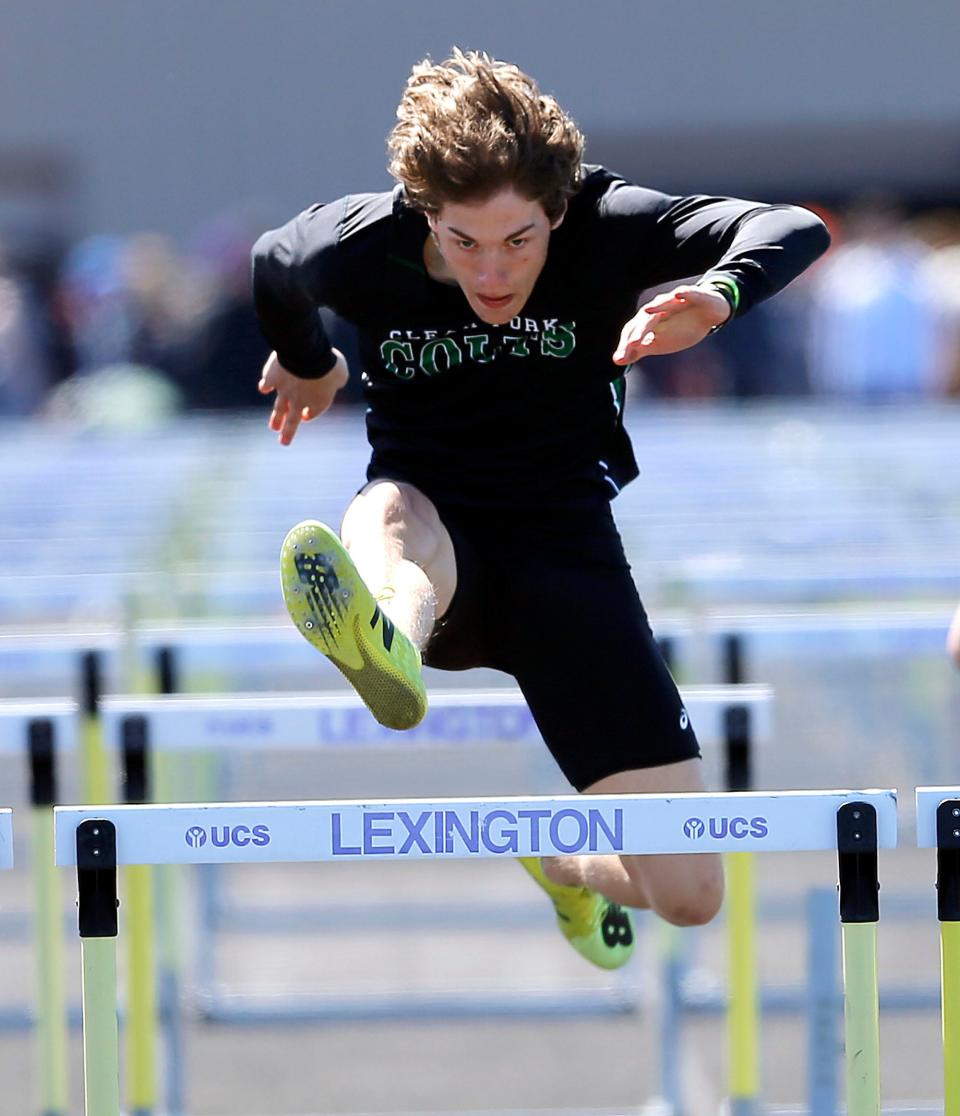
494,250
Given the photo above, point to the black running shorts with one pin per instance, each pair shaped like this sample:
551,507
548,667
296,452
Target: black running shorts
549,598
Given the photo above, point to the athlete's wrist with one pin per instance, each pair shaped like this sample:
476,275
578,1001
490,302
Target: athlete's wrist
316,369
730,290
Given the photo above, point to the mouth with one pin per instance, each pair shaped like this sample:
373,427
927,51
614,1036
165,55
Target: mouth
494,303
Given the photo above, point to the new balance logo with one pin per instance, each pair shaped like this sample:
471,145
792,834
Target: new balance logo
322,588
616,927
387,629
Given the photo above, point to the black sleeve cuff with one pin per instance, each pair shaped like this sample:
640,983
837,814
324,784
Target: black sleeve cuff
314,369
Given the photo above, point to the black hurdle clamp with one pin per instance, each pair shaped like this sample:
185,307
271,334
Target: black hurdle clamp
734,660
97,900
136,758
737,740
42,751
166,670
91,683
857,859
948,860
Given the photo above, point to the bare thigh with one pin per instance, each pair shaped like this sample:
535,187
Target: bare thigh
686,890
391,522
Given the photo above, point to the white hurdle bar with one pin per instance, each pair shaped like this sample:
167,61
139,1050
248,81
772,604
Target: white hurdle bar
305,721
17,716
801,631
928,802
272,649
448,828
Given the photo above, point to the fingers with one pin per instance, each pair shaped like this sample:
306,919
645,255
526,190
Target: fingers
632,347
663,302
289,427
636,335
640,335
268,375
297,400
279,413
286,417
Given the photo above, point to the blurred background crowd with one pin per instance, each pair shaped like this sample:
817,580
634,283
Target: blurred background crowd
144,147
877,319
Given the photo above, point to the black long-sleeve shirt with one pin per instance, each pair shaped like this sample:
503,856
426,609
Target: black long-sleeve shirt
528,412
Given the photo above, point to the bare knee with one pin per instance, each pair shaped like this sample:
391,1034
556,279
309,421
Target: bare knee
690,896
691,909
389,505
397,514
565,870
390,522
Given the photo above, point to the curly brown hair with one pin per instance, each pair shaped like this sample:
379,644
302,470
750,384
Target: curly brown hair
471,126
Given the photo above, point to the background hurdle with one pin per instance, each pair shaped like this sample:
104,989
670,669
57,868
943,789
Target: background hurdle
85,663
728,716
41,731
791,821
82,665
335,721
457,717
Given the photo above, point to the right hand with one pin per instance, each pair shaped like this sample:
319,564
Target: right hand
299,400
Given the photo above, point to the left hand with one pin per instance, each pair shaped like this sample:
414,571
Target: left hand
672,321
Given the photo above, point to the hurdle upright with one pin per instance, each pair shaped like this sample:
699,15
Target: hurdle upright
938,826
42,732
96,840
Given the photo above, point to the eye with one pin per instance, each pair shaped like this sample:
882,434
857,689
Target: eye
518,241
466,245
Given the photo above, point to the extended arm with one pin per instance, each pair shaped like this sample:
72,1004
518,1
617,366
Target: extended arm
294,272
745,251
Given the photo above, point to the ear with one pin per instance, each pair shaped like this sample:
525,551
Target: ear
559,221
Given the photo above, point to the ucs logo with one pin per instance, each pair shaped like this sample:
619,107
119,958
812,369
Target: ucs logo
221,836
719,828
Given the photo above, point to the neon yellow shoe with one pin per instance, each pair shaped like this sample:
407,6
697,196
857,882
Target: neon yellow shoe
337,613
597,928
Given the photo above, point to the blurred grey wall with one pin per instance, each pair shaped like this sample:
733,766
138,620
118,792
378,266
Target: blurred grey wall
118,115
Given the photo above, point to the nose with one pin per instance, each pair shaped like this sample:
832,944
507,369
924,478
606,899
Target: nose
492,271
491,284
